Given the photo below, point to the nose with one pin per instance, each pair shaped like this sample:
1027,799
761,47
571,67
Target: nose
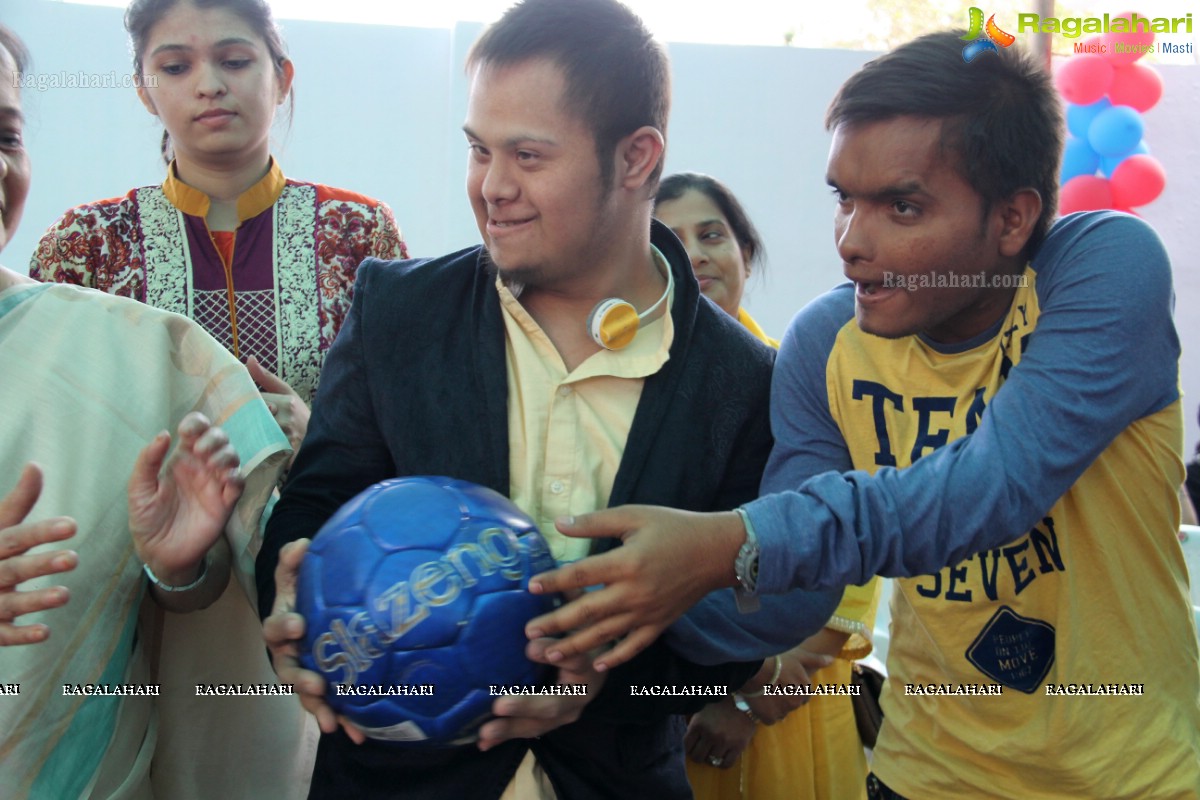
851,235
209,80
695,252
498,186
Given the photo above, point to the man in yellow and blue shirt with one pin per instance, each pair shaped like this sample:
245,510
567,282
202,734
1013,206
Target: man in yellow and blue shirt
990,412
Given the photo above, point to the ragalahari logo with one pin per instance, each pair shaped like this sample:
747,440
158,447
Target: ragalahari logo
983,38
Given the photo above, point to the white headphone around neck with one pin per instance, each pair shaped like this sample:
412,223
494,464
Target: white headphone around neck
614,322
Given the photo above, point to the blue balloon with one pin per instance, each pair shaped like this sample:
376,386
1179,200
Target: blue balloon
1108,164
1115,131
1078,159
1079,118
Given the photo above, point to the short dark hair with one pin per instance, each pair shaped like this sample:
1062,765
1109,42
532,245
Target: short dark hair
617,76
15,47
675,186
1000,113
142,15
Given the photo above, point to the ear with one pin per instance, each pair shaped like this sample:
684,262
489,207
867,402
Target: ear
287,72
638,154
746,258
1018,217
144,95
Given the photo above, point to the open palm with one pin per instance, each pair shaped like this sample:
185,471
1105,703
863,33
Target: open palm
177,513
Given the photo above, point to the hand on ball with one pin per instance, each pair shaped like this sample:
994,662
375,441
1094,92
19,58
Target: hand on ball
283,631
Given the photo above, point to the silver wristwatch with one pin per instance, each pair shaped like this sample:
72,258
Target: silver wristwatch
745,568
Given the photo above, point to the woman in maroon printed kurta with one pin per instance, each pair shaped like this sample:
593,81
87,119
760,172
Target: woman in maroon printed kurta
265,263
282,296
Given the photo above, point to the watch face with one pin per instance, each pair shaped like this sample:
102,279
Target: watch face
746,566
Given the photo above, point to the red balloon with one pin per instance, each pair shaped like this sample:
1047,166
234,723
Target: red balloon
1133,45
1137,181
1084,193
1083,79
1135,85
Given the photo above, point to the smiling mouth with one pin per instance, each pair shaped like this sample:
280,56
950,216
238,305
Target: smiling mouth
503,228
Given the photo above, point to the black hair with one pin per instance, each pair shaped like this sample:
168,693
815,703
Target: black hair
142,15
675,186
1000,114
617,76
15,47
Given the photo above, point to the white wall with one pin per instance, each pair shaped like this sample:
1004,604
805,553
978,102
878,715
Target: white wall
1172,129
379,111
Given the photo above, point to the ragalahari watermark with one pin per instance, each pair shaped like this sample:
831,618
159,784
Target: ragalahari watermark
64,79
953,280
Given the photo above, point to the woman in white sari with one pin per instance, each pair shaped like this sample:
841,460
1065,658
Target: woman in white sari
93,680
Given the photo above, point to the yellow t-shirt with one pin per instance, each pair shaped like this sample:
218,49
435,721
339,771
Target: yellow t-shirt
1027,479
1034,614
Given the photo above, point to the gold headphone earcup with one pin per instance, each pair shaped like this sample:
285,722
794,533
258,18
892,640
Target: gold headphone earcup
613,323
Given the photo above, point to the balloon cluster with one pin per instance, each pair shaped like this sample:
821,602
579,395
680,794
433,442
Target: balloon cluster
1106,163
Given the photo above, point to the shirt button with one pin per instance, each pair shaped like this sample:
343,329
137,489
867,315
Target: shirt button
564,391
557,487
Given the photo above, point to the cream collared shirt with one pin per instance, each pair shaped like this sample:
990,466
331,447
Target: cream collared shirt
567,430
566,435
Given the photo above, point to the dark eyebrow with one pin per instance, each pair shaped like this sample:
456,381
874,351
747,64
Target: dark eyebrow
513,141
170,48
177,48
12,112
902,189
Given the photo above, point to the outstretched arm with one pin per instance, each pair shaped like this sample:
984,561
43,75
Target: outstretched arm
649,582
16,538
1104,355
177,512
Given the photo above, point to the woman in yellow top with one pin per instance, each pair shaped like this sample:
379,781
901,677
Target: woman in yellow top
734,748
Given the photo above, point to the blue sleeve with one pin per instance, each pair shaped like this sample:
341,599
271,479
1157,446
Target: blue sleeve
714,630
1104,354
808,441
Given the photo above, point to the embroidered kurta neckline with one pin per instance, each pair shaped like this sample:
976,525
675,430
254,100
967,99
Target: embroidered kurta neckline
252,202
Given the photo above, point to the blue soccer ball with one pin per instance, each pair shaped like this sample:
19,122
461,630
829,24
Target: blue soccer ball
415,594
